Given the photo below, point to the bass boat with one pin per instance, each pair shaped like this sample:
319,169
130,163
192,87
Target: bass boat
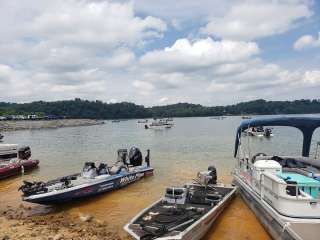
283,191
184,212
91,181
160,124
15,161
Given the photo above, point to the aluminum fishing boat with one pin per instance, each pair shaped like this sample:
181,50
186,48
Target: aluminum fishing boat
91,181
184,212
283,191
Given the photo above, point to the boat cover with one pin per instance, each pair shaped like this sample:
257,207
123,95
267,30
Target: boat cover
307,125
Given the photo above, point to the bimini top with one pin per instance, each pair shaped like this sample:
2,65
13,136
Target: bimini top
306,125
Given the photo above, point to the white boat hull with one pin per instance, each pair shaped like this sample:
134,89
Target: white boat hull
277,225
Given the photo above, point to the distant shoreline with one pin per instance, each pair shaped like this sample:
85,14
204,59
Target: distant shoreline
46,124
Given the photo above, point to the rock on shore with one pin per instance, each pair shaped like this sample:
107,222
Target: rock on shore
15,224
23,125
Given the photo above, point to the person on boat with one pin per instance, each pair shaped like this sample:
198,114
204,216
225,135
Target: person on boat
102,169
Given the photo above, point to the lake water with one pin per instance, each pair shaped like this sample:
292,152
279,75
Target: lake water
177,154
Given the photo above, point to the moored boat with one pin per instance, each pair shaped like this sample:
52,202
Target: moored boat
8,151
15,161
13,168
184,212
283,191
160,124
91,181
143,121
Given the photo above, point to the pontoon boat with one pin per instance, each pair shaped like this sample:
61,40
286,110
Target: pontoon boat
283,191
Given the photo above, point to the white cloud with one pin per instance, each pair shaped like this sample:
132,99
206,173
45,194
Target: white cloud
185,55
183,10
307,41
312,77
94,24
110,50
247,20
163,100
144,87
208,65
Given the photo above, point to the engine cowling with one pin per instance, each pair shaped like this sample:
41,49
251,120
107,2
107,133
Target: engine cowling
135,157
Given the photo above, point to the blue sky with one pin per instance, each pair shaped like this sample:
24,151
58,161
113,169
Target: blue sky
210,52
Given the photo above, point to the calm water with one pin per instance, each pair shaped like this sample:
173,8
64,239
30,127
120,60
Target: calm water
176,154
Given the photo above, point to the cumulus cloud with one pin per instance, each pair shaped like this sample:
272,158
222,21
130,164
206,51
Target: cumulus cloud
247,20
185,55
312,77
115,51
62,49
307,41
219,68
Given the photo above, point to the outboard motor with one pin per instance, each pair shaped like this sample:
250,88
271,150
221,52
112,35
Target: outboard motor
213,173
135,157
24,153
268,132
30,188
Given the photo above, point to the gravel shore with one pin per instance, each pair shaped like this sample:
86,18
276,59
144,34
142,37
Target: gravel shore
23,125
16,224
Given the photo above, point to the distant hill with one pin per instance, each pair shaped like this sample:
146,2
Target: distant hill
79,108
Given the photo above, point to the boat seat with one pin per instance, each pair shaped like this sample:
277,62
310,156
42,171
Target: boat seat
213,198
292,190
176,195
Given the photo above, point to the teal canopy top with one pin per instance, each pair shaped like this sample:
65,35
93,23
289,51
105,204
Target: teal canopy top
306,125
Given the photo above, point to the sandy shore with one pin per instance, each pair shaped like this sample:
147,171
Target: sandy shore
23,125
16,223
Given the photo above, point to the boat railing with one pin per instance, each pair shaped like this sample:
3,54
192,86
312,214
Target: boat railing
278,188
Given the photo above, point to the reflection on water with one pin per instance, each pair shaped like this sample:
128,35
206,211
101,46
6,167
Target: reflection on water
177,154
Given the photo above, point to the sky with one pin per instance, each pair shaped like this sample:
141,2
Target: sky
159,52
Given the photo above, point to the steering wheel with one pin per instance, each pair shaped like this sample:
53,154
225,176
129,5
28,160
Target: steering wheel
253,159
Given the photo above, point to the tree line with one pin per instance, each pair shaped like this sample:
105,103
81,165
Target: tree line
79,108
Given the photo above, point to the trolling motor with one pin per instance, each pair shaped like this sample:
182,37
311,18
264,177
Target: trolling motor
208,177
268,132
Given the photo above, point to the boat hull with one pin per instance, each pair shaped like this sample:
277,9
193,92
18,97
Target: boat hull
194,232
278,228
14,169
201,228
86,191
